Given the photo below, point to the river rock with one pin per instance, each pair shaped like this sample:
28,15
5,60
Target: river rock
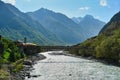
27,62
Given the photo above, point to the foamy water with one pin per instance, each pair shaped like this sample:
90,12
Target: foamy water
60,67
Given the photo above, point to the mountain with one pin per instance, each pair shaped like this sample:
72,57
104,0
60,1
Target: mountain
66,29
42,26
16,25
105,46
90,24
112,25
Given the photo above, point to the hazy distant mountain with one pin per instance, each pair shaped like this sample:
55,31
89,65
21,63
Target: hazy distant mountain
90,24
17,25
66,29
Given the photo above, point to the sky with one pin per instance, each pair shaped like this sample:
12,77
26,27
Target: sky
100,9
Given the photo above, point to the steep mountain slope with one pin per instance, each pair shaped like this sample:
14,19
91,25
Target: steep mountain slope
66,29
90,24
112,25
17,25
105,46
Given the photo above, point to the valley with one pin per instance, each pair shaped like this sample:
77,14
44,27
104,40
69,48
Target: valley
54,43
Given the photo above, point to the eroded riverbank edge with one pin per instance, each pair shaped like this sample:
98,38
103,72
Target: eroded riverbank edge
27,67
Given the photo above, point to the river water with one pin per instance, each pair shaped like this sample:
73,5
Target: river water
61,67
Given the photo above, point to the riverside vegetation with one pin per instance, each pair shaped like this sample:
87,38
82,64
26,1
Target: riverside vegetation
101,47
16,58
10,55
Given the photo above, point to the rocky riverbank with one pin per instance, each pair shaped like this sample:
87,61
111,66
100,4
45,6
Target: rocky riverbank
27,67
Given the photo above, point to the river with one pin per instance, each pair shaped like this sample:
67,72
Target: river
61,67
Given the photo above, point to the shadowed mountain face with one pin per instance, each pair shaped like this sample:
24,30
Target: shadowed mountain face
17,25
112,25
90,24
66,29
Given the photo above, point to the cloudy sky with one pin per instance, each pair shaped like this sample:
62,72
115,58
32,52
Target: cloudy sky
101,9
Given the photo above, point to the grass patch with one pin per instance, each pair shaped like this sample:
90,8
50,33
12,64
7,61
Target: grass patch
18,68
3,74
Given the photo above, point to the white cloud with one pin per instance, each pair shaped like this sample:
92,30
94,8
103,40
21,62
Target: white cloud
103,3
9,1
84,8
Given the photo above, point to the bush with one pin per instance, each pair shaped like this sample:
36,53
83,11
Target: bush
12,52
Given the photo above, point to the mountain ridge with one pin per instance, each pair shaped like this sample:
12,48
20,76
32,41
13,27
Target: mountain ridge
14,21
58,23
92,24
42,26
